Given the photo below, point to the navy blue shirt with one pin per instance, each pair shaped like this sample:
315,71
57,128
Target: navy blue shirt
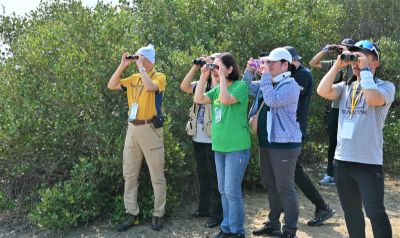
304,79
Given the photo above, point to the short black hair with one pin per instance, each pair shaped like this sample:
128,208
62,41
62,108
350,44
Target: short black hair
228,60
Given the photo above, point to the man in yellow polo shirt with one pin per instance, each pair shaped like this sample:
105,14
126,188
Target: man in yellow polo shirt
145,134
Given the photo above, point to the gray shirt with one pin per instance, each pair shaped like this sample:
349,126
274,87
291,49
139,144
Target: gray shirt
366,144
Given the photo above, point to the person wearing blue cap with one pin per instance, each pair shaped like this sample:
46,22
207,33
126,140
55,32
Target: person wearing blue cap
144,136
364,105
344,74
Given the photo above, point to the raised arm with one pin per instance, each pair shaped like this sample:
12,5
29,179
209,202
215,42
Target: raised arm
248,77
114,83
315,62
225,97
286,95
199,96
149,86
372,95
186,84
325,88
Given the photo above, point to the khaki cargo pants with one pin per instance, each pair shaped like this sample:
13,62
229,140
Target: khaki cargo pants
144,140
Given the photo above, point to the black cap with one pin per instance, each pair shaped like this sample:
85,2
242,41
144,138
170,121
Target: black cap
264,54
293,52
348,42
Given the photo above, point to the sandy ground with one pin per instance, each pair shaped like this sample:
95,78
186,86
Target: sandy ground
181,224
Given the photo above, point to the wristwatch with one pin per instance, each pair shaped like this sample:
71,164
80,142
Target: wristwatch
365,69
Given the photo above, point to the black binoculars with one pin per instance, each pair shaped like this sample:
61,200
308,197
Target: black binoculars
212,66
199,62
132,57
346,57
335,48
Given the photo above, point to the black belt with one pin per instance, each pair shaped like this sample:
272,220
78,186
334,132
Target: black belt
141,122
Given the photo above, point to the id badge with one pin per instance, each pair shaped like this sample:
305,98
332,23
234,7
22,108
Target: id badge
132,114
218,115
347,129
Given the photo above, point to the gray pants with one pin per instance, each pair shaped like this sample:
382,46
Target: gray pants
277,174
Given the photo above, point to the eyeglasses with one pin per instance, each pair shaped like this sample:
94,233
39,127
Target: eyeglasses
365,44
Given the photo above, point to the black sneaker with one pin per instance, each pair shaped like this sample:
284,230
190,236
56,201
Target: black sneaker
320,216
267,229
286,234
157,223
222,234
128,223
213,222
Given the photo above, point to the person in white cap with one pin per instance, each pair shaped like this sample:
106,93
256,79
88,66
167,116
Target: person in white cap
279,138
145,133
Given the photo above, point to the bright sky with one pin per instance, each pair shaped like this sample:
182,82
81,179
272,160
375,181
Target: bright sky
20,7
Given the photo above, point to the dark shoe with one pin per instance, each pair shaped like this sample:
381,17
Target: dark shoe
286,234
157,223
213,222
128,223
321,216
199,214
222,234
238,235
267,229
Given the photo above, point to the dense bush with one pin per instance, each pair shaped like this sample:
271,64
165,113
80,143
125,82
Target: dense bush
62,131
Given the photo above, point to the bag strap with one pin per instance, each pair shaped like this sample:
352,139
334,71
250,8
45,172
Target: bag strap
262,104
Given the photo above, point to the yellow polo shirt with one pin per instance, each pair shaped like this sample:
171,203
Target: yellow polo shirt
137,93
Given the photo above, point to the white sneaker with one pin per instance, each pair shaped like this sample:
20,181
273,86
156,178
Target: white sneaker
327,180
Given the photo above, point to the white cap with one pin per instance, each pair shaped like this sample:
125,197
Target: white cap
278,54
148,52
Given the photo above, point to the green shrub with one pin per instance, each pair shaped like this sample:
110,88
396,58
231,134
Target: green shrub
76,200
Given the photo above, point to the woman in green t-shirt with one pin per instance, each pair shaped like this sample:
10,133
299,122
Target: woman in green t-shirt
231,139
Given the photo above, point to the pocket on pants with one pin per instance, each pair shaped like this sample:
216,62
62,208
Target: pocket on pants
158,131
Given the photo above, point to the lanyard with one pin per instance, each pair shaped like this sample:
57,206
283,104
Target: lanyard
354,99
136,99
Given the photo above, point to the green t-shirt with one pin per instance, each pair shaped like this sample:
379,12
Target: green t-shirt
231,133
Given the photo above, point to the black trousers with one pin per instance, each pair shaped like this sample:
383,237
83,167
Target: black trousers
333,120
209,199
306,185
357,185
